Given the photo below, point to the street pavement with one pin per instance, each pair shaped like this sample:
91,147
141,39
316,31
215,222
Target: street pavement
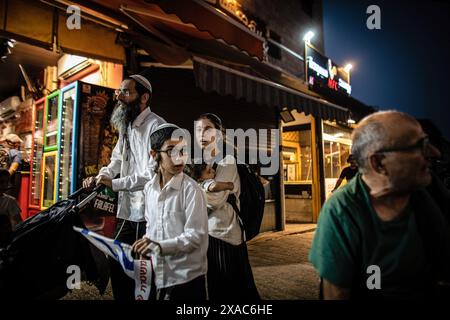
280,267
280,264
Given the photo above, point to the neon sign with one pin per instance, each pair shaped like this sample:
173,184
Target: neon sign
346,86
325,73
317,68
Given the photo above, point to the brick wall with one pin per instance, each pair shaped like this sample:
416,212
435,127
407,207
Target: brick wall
290,21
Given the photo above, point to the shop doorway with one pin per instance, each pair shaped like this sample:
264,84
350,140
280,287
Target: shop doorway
298,169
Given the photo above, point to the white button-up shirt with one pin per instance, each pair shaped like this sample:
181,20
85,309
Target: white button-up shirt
223,221
177,219
134,164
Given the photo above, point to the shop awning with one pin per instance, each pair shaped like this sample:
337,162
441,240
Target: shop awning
196,17
211,76
40,24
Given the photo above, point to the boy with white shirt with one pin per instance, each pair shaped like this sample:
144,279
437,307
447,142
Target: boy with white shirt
177,222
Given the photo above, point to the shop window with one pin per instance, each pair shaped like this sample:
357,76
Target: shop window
336,149
38,150
49,179
65,161
297,158
51,128
290,163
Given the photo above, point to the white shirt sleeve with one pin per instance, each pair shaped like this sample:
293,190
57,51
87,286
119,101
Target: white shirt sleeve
226,172
206,184
195,232
135,182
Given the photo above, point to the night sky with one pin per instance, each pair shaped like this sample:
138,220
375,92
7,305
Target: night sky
403,66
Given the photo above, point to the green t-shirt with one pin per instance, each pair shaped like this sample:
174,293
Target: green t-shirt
350,237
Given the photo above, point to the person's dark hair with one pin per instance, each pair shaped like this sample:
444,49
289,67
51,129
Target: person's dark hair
195,170
217,122
214,119
157,140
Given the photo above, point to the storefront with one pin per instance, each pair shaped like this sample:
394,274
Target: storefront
310,173
58,103
201,56
210,60
315,150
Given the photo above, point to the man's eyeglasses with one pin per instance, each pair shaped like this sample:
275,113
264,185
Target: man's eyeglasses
421,145
173,152
126,93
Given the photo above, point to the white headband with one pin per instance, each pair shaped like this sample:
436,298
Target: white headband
143,81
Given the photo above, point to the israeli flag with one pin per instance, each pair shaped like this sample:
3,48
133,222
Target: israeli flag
139,270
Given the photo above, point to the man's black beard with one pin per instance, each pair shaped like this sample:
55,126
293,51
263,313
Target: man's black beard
124,114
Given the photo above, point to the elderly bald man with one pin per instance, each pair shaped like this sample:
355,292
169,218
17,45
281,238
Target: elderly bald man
382,235
129,168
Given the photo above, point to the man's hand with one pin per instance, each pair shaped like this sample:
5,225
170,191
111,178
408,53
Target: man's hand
106,181
144,246
89,182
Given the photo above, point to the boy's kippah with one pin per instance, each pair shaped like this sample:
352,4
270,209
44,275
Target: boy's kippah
164,126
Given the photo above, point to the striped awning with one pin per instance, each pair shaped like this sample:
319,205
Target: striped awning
214,77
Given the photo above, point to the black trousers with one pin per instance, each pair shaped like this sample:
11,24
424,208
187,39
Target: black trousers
194,290
122,285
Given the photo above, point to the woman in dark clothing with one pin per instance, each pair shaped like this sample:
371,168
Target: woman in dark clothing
229,272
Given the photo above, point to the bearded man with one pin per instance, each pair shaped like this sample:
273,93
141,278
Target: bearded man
129,169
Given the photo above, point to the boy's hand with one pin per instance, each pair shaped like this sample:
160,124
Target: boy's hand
144,247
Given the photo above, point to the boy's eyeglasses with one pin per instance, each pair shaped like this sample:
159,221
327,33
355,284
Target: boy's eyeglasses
173,152
422,145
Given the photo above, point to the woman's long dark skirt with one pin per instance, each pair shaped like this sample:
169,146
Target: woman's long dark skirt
230,275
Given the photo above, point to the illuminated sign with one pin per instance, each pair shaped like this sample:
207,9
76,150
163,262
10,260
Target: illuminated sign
235,9
325,73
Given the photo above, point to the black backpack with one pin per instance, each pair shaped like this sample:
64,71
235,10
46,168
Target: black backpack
252,201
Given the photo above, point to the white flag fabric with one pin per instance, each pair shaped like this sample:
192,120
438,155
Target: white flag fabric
139,270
